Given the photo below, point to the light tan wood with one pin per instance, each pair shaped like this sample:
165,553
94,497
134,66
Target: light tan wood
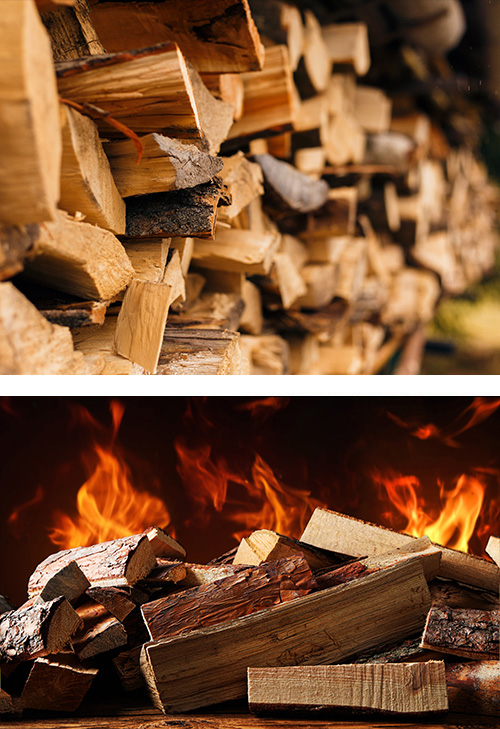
141,322
97,344
265,545
71,31
348,43
345,140
321,628
29,118
372,109
227,87
329,530
29,344
328,249
391,688
166,164
244,181
267,354
229,47
174,277
413,297
148,91
311,161
164,545
268,96
352,269
290,283
296,250
237,250
216,116
251,321
304,354
201,352
148,258
321,281
87,185
493,549
316,57
80,259
341,93
335,359
280,23
185,246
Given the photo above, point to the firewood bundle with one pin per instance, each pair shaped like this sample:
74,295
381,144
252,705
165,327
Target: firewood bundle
210,188
351,617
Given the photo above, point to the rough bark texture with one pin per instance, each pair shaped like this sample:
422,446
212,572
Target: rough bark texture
15,245
120,561
36,628
184,213
241,594
446,593
466,633
294,189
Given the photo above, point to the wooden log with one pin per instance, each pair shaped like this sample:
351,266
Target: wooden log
314,69
265,545
29,344
87,185
80,259
185,248
101,636
97,344
286,278
57,683
321,283
16,243
251,321
447,593
329,530
174,278
166,164
68,582
127,666
205,574
117,562
141,322
64,309
337,217
211,311
345,141
389,688
148,258
72,34
241,251
200,352
185,213
148,90
36,629
29,118
267,354
244,181
294,189
268,97
206,36
227,87
372,109
320,628
117,601
347,43
474,688
467,633
493,549
243,593
216,117
6,705
280,23
163,544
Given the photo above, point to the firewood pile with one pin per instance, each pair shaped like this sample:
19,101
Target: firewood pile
351,617
210,188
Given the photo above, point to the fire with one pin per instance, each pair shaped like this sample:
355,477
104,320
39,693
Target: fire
107,503
455,522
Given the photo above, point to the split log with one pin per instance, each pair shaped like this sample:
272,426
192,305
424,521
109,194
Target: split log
339,533
166,164
211,311
241,251
447,593
244,181
345,141
117,601
141,322
251,321
468,633
474,688
57,683
148,90
347,43
204,574
185,248
72,34
268,97
68,582
127,666
165,571
314,69
267,354
389,688
320,628
64,309
200,352
29,344
101,637
243,593
265,545
202,30
284,280
87,185
292,188
29,118
337,217
16,243
227,87
280,23
493,549
372,109
148,258
36,629
174,278
97,344
6,705
117,562
216,117
321,284
185,213
163,544
79,259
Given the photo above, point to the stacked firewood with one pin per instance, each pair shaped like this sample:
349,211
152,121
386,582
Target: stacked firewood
353,616
210,188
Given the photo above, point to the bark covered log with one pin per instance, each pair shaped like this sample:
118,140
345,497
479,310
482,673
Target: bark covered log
57,683
466,633
474,688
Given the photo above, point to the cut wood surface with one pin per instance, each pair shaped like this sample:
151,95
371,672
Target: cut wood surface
36,629
79,259
227,87
467,633
118,562
148,257
474,687
163,544
16,243
87,185
347,43
265,545
244,182
68,582
216,117
100,637
313,73
185,213
71,31
29,118
204,574
329,530
148,90
280,23
166,164
29,344
117,601
241,251
316,629
58,683
97,344
211,42
391,688
200,351
493,549
242,593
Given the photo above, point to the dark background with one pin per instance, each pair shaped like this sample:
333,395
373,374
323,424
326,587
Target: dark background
327,445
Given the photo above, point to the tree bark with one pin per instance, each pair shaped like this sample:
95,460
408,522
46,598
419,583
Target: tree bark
467,633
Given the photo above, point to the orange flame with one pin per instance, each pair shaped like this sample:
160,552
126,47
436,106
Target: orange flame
459,512
108,505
